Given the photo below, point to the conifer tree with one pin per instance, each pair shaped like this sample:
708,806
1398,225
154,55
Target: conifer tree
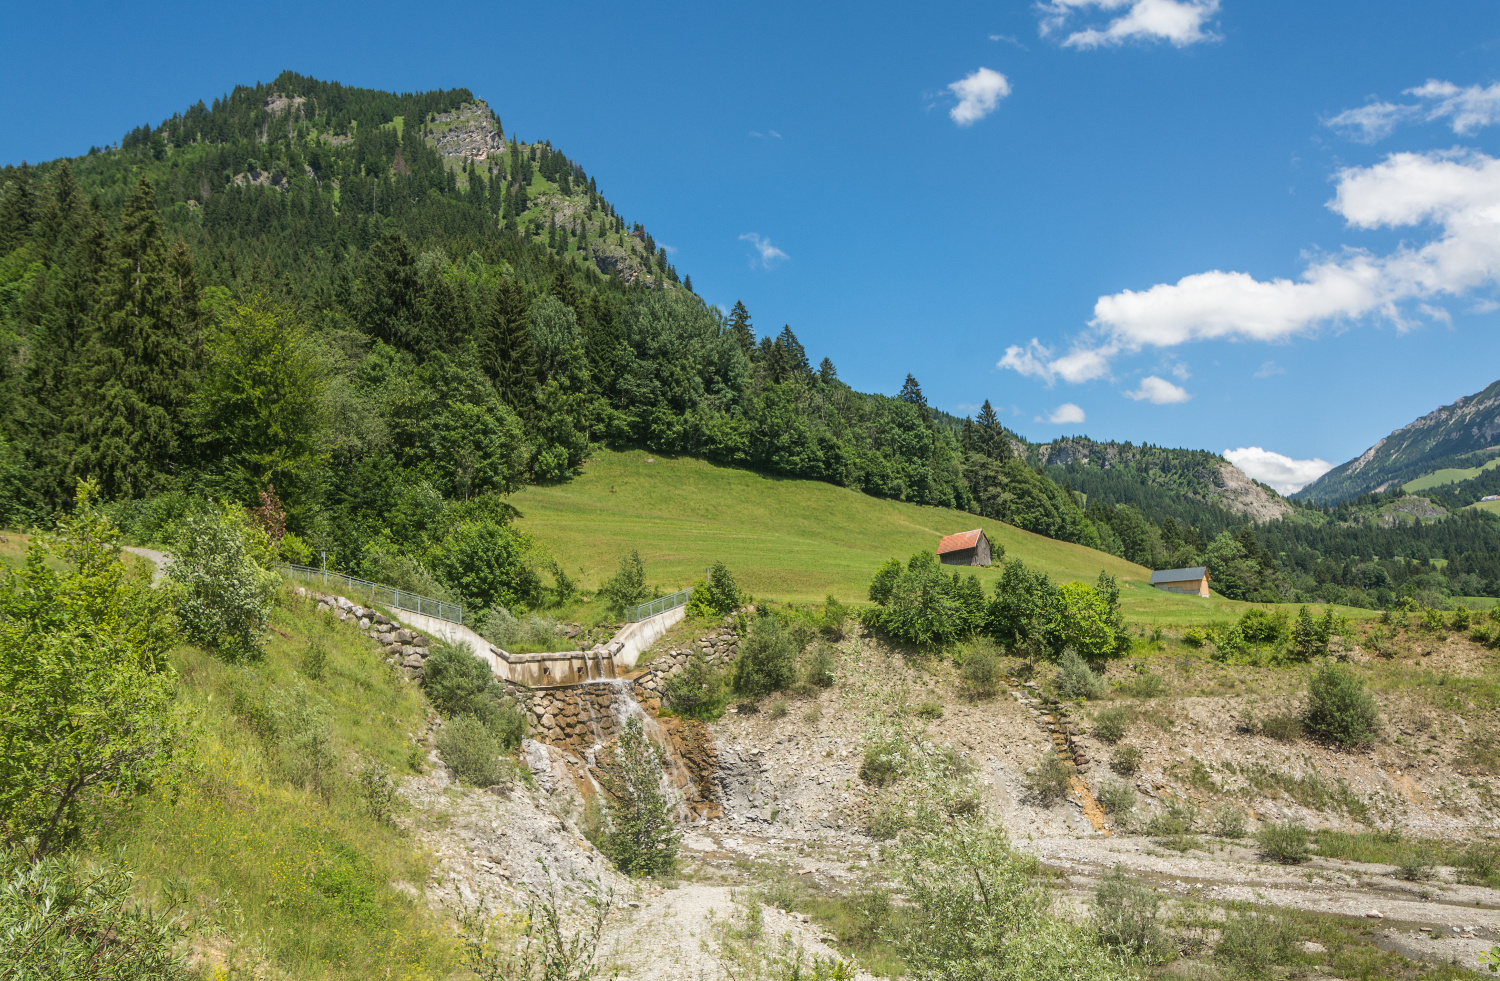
911,392
990,437
826,372
791,361
142,355
507,348
740,327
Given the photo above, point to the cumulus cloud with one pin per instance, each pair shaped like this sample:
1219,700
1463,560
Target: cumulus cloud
1281,472
768,254
1063,415
1464,109
1158,391
1457,193
1180,22
978,93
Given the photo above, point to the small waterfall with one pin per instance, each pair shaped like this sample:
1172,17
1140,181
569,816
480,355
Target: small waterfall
623,706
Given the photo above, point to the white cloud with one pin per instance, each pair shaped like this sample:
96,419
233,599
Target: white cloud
1063,415
1181,22
1436,314
1008,39
1158,391
978,93
1369,123
1281,472
1180,371
1485,306
1465,109
768,253
1457,192
1269,368
1468,109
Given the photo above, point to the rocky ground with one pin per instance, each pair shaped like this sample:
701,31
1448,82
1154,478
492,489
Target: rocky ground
793,808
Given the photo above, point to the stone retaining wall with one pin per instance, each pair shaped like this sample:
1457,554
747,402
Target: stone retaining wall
402,646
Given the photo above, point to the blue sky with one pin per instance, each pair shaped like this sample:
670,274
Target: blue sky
1209,223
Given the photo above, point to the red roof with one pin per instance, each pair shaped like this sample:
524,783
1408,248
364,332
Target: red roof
960,541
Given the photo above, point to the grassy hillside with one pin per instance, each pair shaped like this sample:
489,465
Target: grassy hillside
797,540
1448,475
1493,507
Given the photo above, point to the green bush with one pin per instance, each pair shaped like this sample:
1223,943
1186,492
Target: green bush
1229,822
980,672
1416,864
65,920
883,762
767,660
1126,913
717,595
1462,619
627,587
1263,627
1177,818
1049,781
1075,679
474,753
458,683
1111,724
1254,943
1126,760
486,562
640,838
1195,637
377,791
778,709
1143,684
223,596
1284,841
698,691
1116,797
1284,727
929,710
922,606
1339,710
819,669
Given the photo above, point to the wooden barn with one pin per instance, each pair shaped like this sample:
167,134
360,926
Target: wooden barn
965,548
1193,580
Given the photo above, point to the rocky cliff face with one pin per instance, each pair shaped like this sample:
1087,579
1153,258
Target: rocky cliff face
469,132
1237,492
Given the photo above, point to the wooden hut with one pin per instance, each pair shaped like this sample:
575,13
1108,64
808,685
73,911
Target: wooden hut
965,548
1194,580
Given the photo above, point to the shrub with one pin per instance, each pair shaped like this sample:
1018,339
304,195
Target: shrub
1177,818
767,659
1145,684
1254,943
1432,619
1125,760
1075,679
297,730
980,672
697,691
715,596
929,710
627,587
1480,865
1084,621
1284,727
223,597
1125,914
314,660
1462,619
458,683
922,606
501,628
1048,781
1194,637
1263,627
832,618
1229,822
1111,724
819,669
63,918
778,708
474,753
641,839
485,561
1339,709
88,701
1416,864
883,762
1284,841
1116,797
377,791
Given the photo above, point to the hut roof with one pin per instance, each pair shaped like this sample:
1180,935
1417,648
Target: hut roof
1179,575
960,541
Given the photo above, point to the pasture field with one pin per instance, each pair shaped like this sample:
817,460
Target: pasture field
791,540
1450,475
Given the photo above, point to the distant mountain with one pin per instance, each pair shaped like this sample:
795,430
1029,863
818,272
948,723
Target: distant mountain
1457,435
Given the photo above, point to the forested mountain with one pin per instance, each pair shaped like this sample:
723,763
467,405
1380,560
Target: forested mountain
1454,436
384,313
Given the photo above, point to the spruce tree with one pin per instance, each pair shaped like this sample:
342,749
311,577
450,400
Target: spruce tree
911,392
990,438
507,346
740,327
826,372
792,358
142,355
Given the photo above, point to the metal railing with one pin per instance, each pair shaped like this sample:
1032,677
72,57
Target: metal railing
634,614
376,594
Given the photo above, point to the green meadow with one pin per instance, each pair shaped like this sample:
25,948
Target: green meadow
791,540
1451,475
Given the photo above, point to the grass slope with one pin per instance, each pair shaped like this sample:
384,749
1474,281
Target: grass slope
796,540
1493,507
1439,478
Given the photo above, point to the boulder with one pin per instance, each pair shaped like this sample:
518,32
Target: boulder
411,661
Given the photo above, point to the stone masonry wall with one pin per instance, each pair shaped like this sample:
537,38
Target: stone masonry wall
403,647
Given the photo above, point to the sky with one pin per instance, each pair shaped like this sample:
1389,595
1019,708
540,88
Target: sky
1268,229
